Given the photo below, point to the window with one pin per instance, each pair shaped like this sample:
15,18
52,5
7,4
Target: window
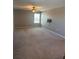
37,18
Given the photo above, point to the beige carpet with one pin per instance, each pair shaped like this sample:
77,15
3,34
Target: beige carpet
37,43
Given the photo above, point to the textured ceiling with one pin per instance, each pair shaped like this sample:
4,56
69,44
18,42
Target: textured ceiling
41,4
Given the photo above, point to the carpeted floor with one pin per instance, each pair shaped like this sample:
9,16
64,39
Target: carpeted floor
37,43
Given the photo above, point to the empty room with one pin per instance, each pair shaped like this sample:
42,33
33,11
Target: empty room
39,29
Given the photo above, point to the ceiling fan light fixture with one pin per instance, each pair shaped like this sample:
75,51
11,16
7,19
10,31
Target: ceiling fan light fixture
33,9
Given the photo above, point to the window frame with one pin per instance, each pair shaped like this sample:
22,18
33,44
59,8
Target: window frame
39,18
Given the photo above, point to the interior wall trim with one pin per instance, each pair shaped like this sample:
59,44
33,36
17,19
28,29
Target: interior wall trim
56,33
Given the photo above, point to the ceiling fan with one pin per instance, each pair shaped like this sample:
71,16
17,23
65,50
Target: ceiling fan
33,8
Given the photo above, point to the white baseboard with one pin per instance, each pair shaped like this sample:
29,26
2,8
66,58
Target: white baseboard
55,33
22,27
27,26
60,35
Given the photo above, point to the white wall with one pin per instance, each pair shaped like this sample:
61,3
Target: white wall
24,18
58,20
